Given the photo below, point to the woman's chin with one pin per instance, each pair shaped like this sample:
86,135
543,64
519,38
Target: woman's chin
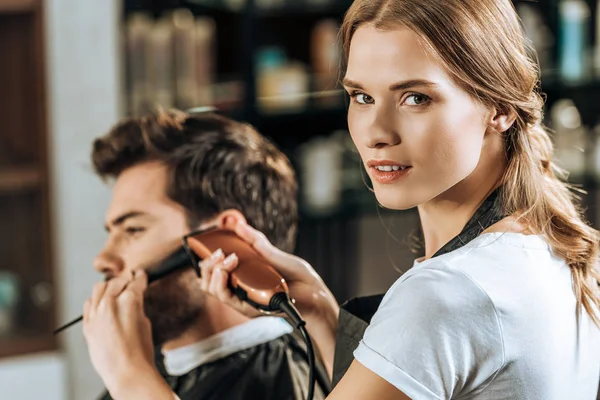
394,199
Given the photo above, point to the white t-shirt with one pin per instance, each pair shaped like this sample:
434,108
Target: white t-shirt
494,319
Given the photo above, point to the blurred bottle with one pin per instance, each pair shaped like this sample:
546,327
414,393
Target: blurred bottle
321,165
205,59
235,5
184,47
282,85
137,50
539,33
595,147
570,139
269,4
574,19
160,68
194,59
597,52
170,61
9,298
325,59
318,3
355,180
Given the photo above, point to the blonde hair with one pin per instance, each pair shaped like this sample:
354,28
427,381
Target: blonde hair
482,46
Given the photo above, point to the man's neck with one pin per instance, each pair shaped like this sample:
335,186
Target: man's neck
216,317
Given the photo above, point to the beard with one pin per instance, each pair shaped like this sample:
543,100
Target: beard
173,305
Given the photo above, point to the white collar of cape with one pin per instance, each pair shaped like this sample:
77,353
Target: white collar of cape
257,331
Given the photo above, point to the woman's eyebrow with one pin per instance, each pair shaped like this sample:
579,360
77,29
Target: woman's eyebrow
413,83
402,85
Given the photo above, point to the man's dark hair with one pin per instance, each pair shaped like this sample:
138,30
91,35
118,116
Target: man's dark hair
213,163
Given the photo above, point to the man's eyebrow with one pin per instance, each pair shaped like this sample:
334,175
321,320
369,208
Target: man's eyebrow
122,218
402,85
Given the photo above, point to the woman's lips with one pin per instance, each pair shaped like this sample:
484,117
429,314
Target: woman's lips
386,171
387,177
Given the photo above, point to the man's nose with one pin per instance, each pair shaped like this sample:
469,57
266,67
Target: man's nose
108,263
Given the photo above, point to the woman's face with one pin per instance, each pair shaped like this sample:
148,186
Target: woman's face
417,132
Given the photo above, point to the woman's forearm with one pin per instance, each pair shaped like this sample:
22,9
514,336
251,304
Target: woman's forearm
322,326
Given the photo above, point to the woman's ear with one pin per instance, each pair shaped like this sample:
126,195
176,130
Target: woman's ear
501,121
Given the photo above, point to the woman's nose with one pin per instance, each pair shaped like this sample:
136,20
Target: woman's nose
382,131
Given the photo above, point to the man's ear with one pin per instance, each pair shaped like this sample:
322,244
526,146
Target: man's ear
229,218
501,120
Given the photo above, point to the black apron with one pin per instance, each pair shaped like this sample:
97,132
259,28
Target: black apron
355,315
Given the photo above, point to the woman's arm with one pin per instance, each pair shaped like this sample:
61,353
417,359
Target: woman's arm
322,326
361,383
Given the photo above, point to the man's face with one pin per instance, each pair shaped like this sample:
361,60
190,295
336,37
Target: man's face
144,226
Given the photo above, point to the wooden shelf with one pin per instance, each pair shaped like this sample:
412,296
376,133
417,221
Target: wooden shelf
25,209
295,10
15,346
17,6
19,179
206,6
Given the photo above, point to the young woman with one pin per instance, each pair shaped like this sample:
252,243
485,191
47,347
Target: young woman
446,116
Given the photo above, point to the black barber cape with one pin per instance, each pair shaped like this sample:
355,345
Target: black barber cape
355,315
276,370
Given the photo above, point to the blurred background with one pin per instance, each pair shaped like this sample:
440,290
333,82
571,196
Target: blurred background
69,69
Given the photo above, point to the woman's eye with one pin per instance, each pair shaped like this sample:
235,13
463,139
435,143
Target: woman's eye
362,98
416,99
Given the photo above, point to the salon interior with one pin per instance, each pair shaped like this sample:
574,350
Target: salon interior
71,68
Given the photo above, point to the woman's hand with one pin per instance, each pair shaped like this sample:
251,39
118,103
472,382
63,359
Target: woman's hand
312,297
119,339
306,287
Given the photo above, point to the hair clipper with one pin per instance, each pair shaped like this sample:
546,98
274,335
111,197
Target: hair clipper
254,280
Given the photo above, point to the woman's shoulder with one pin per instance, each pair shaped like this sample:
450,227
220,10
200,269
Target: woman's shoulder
434,290
484,275
493,253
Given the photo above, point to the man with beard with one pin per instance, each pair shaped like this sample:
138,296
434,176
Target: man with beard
174,173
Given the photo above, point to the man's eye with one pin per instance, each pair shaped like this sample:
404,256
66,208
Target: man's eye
362,98
133,230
